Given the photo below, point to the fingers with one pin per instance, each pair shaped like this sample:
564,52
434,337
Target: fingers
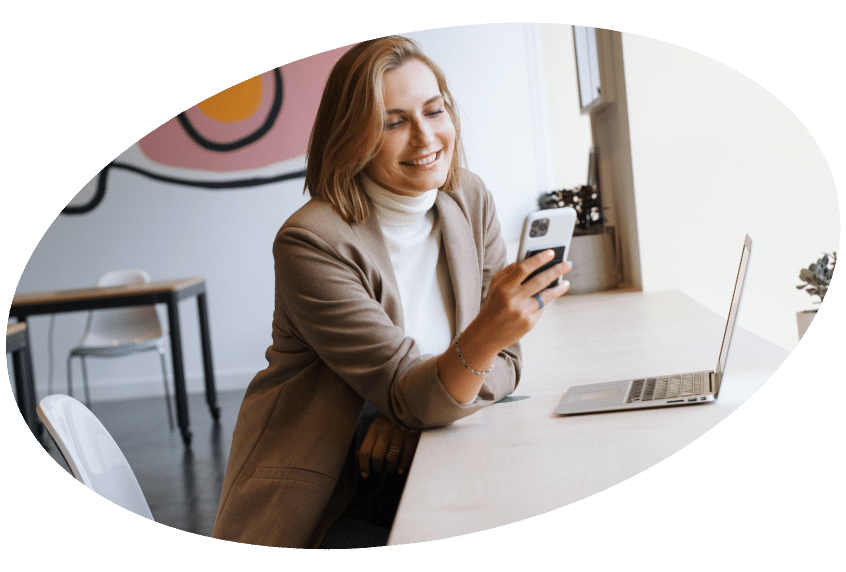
545,278
532,263
386,447
392,455
365,454
550,294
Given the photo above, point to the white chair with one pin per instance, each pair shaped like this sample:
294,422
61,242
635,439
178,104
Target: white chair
91,453
120,332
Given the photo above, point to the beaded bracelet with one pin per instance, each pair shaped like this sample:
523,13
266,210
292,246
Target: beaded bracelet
461,357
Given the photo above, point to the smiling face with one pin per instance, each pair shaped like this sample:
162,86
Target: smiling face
419,137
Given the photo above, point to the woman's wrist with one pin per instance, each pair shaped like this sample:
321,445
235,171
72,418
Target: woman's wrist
457,378
476,350
467,366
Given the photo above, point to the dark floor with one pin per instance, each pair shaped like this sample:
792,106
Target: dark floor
182,484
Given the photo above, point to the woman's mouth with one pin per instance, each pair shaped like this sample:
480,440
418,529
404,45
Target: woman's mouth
424,161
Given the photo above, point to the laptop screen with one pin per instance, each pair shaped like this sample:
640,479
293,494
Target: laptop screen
732,317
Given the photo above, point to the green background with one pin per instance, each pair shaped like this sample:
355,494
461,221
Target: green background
83,81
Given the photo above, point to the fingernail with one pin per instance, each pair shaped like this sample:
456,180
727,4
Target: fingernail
363,475
570,264
567,283
549,253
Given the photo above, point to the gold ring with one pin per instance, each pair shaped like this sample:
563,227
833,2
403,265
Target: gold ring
393,451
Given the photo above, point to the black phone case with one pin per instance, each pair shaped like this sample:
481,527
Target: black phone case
559,257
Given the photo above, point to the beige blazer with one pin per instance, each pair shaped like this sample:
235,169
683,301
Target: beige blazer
338,341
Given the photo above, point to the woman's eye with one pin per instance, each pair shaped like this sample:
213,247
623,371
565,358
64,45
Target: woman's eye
435,112
393,124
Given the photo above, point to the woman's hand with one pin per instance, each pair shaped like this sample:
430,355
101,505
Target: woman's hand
387,446
511,309
508,312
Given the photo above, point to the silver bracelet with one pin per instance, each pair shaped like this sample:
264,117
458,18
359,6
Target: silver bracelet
461,357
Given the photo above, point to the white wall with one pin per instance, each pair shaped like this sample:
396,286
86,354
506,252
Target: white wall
571,137
174,231
715,157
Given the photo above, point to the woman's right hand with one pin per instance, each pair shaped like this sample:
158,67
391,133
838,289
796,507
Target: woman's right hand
510,309
508,312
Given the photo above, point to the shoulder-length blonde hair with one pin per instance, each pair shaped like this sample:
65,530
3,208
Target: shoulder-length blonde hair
350,121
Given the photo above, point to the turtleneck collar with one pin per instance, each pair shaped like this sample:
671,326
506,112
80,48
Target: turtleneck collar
397,209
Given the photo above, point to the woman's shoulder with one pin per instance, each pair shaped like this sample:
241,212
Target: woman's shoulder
316,217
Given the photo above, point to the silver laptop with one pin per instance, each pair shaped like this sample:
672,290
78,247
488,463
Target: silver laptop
663,390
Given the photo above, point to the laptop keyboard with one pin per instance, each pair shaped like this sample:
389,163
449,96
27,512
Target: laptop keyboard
651,388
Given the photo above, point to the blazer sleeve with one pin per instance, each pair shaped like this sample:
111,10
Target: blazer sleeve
330,302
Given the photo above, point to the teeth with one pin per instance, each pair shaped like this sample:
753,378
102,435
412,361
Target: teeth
425,160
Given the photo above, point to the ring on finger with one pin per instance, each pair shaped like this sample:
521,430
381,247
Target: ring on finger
539,299
394,450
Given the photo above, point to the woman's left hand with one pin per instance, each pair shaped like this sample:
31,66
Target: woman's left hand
387,446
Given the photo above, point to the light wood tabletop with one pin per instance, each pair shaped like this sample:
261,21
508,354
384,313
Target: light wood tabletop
47,297
517,459
14,329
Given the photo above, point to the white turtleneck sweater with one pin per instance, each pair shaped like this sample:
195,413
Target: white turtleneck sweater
413,235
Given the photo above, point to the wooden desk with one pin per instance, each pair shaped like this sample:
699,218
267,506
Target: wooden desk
17,344
516,459
168,292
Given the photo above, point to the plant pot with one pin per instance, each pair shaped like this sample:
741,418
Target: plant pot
803,320
594,263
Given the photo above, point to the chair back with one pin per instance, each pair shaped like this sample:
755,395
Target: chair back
122,326
91,453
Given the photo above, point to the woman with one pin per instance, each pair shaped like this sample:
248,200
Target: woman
395,310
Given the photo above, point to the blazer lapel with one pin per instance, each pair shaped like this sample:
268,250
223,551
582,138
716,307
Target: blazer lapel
370,233
462,259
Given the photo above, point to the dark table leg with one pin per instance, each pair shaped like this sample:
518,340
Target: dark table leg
25,387
178,369
205,336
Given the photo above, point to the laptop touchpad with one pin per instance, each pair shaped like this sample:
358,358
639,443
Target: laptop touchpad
593,395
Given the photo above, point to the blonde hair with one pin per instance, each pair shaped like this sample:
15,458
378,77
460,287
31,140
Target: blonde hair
350,121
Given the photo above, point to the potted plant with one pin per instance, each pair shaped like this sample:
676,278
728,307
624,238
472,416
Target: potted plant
592,250
815,280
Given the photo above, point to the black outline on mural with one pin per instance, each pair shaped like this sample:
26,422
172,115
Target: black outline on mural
244,141
215,185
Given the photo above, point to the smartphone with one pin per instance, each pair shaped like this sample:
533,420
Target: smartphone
547,229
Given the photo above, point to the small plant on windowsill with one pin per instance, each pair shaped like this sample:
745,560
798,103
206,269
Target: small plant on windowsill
815,280
585,200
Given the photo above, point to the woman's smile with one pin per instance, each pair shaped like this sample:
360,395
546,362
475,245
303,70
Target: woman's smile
425,161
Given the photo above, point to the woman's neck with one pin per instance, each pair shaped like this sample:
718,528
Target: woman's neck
394,209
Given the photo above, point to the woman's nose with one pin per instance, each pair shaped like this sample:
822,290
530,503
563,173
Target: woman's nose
422,134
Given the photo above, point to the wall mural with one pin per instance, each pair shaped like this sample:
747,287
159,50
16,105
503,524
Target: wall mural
259,124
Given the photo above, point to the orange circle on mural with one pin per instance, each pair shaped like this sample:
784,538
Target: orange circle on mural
234,104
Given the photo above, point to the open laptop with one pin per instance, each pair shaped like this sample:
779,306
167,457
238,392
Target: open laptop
662,390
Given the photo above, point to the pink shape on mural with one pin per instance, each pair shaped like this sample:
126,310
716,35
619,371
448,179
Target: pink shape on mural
303,83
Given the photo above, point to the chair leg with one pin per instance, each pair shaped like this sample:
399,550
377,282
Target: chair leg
85,382
167,390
